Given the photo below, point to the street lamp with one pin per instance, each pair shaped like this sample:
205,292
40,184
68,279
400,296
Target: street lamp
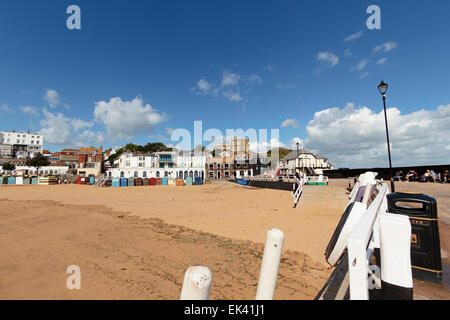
296,161
382,87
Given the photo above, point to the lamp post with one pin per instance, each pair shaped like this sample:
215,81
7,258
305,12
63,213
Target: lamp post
297,144
382,87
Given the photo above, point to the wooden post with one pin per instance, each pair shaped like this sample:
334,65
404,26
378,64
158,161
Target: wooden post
197,283
270,264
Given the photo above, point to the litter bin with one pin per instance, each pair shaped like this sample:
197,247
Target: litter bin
425,244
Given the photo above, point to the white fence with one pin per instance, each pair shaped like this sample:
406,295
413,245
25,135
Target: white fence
378,229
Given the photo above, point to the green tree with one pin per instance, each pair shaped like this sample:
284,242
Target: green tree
38,161
9,166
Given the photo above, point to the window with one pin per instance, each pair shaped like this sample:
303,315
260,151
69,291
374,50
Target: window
226,165
135,174
144,174
211,174
157,174
211,166
32,141
161,165
122,174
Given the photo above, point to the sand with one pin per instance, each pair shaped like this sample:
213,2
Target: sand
136,242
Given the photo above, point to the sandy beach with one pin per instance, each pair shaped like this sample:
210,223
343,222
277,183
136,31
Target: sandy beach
136,242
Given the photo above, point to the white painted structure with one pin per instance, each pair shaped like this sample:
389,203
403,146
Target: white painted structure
20,144
378,229
197,283
49,170
270,264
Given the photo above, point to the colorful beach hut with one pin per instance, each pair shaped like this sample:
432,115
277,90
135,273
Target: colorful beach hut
146,181
138,182
11,180
115,182
26,180
131,181
153,181
158,181
179,182
170,181
123,182
164,181
189,181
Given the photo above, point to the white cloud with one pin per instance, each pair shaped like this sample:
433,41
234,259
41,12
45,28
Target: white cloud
294,141
202,87
232,96
230,79
354,36
361,65
56,129
264,146
32,111
355,137
79,124
253,78
6,109
328,57
382,61
386,47
289,123
269,68
363,75
348,53
51,97
124,119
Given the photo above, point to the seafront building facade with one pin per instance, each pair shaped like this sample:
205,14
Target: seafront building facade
175,164
20,145
304,161
234,160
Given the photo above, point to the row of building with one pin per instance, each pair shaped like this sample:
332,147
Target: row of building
234,159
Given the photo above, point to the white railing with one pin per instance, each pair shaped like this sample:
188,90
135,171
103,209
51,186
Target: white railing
297,192
378,229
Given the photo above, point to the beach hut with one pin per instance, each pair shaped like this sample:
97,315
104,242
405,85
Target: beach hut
146,181
91,180
47,180
34,180
138,182
170,181
131,181
189,181
11,180
158,181
4,180
198,181
153,181
115,182
19,180
123,182
164,181
179,182
26,180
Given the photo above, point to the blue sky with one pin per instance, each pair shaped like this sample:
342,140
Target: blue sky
231,64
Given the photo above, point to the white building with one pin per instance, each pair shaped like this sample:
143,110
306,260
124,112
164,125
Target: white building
20,144
305,161
161,164
48,170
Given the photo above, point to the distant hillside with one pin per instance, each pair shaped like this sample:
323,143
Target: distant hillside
282,152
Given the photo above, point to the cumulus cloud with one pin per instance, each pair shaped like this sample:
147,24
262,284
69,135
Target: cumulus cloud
51,97
355,136
124,119
328,57
386,47
264,146
382,61
354,36
59,130
32,111
289,123
79,124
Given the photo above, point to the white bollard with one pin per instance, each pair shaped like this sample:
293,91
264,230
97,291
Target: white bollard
270,264
197,283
